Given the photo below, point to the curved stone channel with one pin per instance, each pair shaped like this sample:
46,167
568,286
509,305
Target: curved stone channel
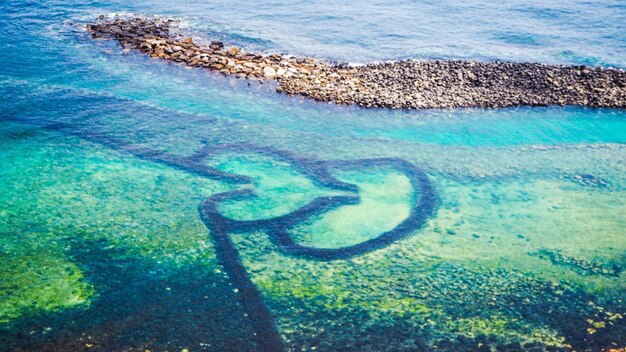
405,84
277,228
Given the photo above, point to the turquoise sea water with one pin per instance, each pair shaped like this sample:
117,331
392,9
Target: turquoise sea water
144,205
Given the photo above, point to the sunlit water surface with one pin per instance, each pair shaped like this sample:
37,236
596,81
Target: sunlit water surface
103,246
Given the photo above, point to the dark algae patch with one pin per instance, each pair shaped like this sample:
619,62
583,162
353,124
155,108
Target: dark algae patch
139,305
593,267
405,84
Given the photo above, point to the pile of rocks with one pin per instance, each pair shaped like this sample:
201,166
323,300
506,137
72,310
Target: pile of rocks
155,38
450,84
406,84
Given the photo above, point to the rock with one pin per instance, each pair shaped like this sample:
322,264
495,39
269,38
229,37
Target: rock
216,45
145,46
233,51
269,72
187,40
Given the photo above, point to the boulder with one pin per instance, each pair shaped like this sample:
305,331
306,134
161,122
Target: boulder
216,45
233,51
269,72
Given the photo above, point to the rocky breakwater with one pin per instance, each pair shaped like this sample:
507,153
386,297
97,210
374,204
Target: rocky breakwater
405,84
158,39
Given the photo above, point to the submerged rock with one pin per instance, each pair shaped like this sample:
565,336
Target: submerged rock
593,267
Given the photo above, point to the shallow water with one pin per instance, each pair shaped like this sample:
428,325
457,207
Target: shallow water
147,206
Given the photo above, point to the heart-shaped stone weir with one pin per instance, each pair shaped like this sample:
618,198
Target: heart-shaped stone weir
326,210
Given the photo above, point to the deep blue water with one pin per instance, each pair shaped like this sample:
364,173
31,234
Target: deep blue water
43,46
97,234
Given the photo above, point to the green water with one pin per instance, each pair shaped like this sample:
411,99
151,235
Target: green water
279,189
512,250
385,201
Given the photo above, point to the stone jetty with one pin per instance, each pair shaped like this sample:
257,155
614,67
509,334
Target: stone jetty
399,85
